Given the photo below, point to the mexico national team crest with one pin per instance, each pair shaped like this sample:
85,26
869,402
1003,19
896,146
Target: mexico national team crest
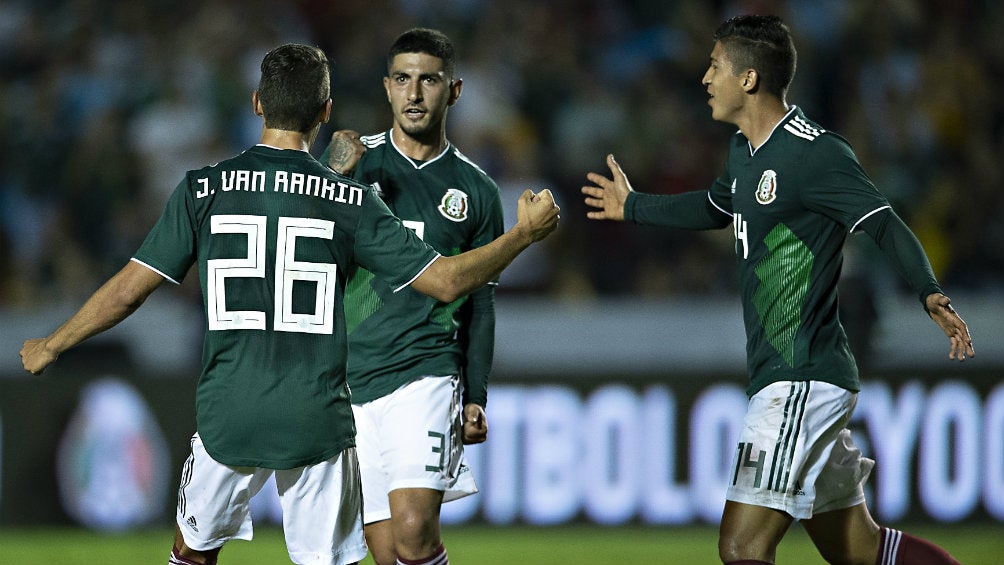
454,205
766,189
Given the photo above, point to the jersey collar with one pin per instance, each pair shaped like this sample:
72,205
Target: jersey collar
414,163
791,111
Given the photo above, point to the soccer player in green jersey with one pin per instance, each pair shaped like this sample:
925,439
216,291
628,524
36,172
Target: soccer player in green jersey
274,234
792,191
418,367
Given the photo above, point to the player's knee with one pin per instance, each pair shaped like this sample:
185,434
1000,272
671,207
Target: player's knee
181,554
417,541
738,548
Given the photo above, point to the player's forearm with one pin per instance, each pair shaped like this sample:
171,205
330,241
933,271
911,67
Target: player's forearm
479,346
109,305
689,210
449,278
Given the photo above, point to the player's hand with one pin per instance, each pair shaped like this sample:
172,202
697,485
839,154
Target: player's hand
346,150
537,213
608,195
939,307
36,355
475,424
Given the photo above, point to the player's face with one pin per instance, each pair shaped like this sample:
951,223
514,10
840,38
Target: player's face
419,93
724,88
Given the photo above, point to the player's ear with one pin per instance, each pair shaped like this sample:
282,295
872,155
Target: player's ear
750,80
456,85
256,104
325,112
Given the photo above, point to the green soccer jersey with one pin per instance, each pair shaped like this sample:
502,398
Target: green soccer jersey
274,234
793,202
395,338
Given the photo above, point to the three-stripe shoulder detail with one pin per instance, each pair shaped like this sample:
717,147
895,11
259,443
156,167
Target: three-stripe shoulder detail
798,126
374,140
464,158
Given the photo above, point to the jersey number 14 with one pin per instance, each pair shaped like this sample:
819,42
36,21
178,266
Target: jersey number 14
739,228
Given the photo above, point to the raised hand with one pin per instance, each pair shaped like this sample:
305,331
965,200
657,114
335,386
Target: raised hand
346,150
537,213
608,195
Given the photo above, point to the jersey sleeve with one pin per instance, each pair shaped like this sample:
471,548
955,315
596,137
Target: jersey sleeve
694,210
386,248
720,193
491,222
838,187
170,247
478,337
904,251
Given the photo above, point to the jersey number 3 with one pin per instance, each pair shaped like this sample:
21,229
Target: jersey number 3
287,270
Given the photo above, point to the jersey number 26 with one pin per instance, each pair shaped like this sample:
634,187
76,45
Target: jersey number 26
287,270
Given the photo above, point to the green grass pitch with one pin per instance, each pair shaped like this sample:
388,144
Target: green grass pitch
972,544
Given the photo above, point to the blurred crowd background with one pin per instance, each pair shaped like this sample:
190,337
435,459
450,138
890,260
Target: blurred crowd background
104,105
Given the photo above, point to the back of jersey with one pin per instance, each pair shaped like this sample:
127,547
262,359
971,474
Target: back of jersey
272,232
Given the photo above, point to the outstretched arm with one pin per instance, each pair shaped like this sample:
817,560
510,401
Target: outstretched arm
614,199
449,278
904,251
109,305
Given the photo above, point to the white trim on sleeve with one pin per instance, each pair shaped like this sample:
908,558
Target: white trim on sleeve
155,270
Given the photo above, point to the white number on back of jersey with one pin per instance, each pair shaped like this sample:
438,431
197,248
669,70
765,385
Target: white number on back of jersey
219,270
287,270
739,228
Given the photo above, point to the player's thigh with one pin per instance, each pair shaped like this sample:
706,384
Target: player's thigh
369,419
213,499
751,532
420,434
783,451
846,535
322,511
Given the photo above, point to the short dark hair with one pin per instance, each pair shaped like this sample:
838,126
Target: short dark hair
295,84
761,43
424,40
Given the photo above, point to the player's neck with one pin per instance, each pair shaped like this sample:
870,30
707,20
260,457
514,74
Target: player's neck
285,139
419,148
761,119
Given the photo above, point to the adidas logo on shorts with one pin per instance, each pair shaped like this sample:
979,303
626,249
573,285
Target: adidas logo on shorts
191,523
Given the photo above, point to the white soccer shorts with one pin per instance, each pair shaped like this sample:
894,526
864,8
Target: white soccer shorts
794,452
321,506
411,438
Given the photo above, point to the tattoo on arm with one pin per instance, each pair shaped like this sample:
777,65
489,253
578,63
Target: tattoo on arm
341,153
